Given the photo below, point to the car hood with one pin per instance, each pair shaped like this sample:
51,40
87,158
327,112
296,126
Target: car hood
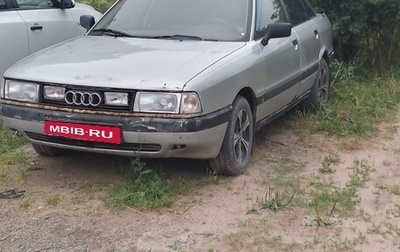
103,61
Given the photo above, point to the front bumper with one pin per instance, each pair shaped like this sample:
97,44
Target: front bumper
199,138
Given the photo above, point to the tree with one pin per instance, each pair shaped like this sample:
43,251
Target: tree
365,31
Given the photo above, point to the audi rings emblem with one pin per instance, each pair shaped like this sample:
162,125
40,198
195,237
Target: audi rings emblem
82,98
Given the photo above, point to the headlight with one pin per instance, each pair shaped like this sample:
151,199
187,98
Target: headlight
157,102
170,103
21,91
116,99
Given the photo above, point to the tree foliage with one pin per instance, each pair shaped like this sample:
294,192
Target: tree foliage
365,31
100,5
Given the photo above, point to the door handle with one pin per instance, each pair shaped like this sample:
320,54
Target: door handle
296,44
316,34
36,27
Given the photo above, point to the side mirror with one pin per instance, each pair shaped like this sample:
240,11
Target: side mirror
67,4
87,21
276,30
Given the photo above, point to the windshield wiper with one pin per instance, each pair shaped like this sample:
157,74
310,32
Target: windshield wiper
114,33
178,37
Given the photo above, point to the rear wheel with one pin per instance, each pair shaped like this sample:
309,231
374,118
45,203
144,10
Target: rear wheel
236,149
320,90
45,150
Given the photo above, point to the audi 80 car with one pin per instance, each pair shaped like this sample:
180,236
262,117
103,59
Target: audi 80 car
27,26
172,78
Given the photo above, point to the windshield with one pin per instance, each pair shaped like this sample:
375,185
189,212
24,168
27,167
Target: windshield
178,19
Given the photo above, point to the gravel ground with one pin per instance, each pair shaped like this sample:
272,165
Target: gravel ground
213,217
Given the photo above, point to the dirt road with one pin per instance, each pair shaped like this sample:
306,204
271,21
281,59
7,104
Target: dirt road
63,208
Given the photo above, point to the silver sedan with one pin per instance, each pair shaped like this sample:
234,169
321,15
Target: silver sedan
172,78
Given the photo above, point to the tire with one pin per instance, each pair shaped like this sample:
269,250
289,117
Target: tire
236,149
45,150
320,90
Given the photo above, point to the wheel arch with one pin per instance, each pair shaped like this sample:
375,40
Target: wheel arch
326,57
250,96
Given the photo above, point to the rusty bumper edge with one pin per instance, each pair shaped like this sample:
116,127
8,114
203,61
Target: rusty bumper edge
134,124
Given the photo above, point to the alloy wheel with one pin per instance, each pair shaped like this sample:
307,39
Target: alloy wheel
241,136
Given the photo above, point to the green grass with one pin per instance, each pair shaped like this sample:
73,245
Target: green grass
356,103
13,157
273,200
147,188
395,190
25,202
3,175
361,171
318,193
327,199
9,145
10,152
331,159
99,5
283,187
287,176
52,199
319,196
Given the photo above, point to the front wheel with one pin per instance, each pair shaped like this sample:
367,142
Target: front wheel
236,149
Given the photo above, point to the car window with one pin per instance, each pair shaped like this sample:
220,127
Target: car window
35,4
267,11
208,19
296,12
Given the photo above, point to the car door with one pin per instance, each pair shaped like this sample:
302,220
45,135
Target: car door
13,36
302,19
46,23
281,61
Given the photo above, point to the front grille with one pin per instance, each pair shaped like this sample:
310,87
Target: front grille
81,143
99,91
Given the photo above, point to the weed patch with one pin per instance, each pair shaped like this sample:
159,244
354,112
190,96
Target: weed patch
318,193
327,199
327,164
273,200
148,188
395,190
25,202
52,199
3,175
9,143
355,106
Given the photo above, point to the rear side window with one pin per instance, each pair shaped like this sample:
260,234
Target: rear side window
3,5
267,11
296,12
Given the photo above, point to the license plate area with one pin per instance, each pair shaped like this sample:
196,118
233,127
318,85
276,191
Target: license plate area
83,131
